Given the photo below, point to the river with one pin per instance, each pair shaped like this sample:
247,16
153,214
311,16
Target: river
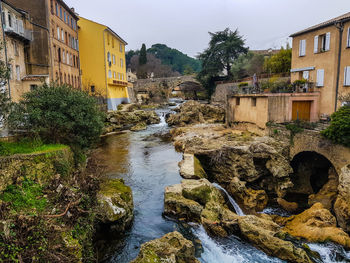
147,164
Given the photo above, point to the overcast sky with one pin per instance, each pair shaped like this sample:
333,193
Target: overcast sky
184,24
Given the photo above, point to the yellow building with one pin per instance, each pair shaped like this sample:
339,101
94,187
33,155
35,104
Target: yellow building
321,55
102,62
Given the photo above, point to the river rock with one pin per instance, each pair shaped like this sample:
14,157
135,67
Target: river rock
342,204
171,248
288,206
191,168
139,127
121,120
317,225
193,112
265,234
115,204
252,200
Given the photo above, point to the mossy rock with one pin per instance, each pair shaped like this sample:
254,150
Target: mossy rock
74,248
39,167
116,204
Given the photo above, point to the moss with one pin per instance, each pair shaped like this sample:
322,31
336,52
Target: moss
148,256
198,169
73,246
201,194
27,197
113,186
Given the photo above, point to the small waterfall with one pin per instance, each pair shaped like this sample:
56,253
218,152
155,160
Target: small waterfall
331,253
232,201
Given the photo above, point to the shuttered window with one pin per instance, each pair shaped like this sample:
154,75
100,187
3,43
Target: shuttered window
328,41
316,45
347,76
320,78
302,48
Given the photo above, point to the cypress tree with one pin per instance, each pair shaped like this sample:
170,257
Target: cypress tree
143,55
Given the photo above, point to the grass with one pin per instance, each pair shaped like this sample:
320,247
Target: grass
25,197
27,147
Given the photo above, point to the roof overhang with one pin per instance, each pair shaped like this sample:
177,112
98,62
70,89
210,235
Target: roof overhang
301,69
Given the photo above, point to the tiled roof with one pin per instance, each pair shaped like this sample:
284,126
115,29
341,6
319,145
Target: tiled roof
344,17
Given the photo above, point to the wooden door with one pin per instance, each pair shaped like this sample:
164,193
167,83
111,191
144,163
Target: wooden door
301,110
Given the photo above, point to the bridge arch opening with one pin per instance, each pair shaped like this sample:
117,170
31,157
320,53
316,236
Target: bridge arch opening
315,180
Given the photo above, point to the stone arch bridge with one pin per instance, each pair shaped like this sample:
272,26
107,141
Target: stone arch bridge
166,85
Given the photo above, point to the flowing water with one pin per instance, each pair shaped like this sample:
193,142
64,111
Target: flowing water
147,164
232,201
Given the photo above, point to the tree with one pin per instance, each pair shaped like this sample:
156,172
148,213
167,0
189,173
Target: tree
339,130
224,48
143,55
5,103
247,65
59,114
280,62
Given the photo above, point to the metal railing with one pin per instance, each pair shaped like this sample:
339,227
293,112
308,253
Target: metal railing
19,31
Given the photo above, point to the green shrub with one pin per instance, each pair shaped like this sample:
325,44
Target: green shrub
59,114
243,84
339,130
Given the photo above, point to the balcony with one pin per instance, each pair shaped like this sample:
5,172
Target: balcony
19,32
115,82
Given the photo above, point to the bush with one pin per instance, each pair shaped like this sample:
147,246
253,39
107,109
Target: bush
59,114
243,84
339,130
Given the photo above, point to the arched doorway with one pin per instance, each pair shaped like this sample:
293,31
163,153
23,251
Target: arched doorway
315,180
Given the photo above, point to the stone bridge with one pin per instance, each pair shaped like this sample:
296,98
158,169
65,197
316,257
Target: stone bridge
170,83
312,141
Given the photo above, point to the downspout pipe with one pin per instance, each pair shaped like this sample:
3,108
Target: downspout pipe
5,48
340,27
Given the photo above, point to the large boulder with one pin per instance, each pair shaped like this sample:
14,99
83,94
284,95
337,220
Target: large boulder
193,112
317,225
342,204
267,235
252,200
115,205
191,168
171,248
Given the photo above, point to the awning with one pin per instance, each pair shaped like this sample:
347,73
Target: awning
302,69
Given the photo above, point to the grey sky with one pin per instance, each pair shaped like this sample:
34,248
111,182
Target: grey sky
184,24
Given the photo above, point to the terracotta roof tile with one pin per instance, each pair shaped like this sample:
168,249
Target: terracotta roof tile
344,17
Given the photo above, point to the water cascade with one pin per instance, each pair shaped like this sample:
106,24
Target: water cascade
232,201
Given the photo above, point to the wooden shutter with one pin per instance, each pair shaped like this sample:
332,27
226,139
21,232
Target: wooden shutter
316,44
347,76
320,78
328,41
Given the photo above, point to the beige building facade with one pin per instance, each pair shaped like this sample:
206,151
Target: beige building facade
321,55
17,35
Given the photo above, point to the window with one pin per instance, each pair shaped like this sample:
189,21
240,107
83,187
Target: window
15,48
66,38
320,78
114,75
18,72
34,87
65,78
68,62
109,59
347,76
68,81
64,56
11,71
306,75
74,61
348,39
112,42
56,76
114,59
71,22
10,20
58,33
119,77
253,102
302,48
59,55
92,89
51,7
122,76
108,39
61,13
121,62
109,74
62,35
121,47
56,9
65,17
322,43
238,101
